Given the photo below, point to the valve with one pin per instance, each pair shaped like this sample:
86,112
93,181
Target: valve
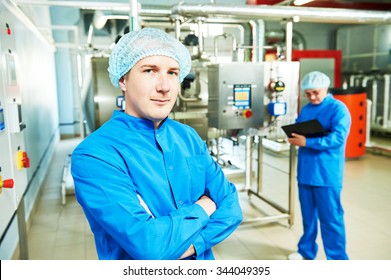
276,86
8,184
279,86
23,160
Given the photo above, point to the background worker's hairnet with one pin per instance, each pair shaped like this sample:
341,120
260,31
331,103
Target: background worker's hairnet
136,45
315,79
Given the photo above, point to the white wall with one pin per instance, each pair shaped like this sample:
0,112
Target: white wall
36,78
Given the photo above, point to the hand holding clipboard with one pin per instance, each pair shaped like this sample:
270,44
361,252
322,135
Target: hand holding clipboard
311,128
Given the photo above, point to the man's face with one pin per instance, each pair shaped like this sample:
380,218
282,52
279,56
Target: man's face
151,88
316,96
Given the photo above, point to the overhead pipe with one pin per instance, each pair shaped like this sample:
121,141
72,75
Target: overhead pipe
84,5
288,40
298,41
177,20
304,14
133,15
200,21
145,10
258,31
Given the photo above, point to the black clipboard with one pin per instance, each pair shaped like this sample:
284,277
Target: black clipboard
311,128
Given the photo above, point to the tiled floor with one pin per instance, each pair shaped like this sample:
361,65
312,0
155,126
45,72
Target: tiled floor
61,232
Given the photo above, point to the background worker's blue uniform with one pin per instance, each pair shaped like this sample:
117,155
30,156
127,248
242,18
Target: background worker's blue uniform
170,169
320,177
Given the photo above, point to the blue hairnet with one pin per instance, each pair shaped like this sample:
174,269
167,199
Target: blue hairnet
136,45
315,79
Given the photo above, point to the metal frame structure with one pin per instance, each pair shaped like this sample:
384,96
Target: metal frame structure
285,213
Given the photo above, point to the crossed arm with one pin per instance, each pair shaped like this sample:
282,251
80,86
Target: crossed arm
210,207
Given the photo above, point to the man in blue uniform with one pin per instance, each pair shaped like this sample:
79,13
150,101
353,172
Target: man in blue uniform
146,183
320,171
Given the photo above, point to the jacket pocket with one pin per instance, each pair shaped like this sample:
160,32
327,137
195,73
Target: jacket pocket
196,166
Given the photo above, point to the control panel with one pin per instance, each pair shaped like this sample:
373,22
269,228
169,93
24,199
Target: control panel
14,158
235,95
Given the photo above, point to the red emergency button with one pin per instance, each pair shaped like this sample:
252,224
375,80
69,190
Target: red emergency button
8,184
247,114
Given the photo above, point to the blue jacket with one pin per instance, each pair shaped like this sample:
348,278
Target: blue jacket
321,162
170,169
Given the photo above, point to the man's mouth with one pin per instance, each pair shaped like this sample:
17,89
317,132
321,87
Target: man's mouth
160,100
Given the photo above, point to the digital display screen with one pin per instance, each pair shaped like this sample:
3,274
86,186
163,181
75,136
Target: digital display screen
242,96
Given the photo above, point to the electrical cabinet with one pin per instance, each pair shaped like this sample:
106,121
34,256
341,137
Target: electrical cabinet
13,157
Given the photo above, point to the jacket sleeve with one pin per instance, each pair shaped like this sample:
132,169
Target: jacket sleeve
228,215
110,201
339,130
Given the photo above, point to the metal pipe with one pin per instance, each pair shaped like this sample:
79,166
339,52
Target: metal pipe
298,40
249,157
374,100
304,14
90,34
267,219
258,31
199,21
177,21
260,165
85,5
225,35
145,10
133,15
288,40
292,181
187,99
386,103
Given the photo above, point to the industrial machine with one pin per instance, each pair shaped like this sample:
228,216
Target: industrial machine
235,95
254,100
244,95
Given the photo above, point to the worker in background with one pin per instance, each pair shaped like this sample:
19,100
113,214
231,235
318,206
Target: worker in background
320,170
146,183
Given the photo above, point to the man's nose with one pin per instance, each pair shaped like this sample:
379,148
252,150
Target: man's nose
163,84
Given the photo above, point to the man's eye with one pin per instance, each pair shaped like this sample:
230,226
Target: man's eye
175,73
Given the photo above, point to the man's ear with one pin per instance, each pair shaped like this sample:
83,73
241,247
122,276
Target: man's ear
122,83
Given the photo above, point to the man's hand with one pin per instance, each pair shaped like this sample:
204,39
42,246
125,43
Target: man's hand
189,252
297,140
207,204
209,207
